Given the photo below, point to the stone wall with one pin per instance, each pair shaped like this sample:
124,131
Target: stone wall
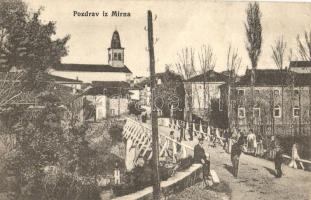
176,183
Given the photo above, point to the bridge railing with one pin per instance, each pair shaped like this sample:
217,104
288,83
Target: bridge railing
178,124
141,137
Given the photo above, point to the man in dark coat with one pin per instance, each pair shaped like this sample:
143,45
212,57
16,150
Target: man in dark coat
236,151
200,157
278,162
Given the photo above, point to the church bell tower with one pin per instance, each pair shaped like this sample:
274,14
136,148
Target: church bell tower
116,52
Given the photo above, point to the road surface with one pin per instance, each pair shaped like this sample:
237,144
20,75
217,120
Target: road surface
255,180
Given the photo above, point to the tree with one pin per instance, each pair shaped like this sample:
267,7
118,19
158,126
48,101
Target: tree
304,47
171,94
26,42
49,138
185,68
233,66
254,39
304,50
278,54
207,64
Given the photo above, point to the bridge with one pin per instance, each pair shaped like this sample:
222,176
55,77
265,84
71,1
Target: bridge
256,176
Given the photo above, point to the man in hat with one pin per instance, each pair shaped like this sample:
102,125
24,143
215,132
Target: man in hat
236,151
278,162
200,157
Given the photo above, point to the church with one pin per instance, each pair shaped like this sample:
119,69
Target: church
115,70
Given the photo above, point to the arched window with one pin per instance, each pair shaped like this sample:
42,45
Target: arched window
119,56
277,111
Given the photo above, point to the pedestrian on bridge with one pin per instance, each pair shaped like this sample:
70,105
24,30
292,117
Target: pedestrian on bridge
200,157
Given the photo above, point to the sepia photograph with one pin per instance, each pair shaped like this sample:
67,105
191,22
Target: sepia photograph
155,100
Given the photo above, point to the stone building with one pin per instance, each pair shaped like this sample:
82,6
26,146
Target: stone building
280,104
108,99
204,89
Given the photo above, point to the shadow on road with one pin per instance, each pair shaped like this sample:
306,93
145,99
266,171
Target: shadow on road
271,171
229,168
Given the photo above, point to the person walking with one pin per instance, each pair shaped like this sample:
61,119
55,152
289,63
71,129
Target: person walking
200,157
259,149
226,136
278,162
236,151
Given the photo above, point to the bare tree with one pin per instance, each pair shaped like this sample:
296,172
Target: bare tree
185,67
207,62
304,47
254,37
278,54
304,50
233,66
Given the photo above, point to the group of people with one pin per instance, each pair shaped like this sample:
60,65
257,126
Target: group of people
237,148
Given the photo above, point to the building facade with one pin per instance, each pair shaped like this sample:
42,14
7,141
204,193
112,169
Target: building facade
280,103
203,90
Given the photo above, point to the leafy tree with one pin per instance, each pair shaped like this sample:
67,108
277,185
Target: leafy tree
26,42
170,94
42,142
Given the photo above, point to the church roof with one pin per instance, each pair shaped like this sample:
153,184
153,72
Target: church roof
90,68
115,41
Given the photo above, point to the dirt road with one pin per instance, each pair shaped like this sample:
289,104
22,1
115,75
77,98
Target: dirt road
255,180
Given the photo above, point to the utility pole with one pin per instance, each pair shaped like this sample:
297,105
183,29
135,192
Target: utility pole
154,117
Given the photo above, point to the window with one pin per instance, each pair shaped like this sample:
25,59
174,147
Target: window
221,104
296,92
296,111
241,92
277,111
115,56
112,112
119,56
241,112
256,112
256,92
276,92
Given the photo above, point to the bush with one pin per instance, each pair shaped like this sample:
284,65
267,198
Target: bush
115,133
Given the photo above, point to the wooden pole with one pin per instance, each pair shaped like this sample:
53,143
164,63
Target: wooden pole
154,118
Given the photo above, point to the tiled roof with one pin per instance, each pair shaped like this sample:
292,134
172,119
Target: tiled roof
274,77
90,68
300,64
110,88
59,79
210,76
44,77
111,84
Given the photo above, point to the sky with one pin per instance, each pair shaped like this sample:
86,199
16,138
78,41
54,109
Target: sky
178,24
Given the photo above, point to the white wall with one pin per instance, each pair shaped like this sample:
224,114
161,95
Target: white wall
88,77
301,69
135,94
198,93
